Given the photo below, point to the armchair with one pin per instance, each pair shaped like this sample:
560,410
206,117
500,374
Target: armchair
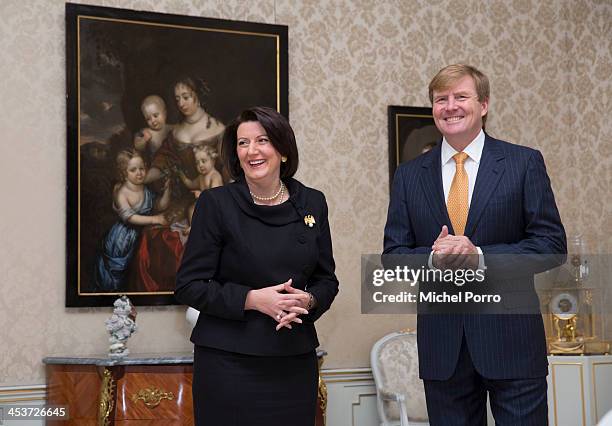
399,391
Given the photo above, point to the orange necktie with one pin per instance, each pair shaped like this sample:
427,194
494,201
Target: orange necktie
457,204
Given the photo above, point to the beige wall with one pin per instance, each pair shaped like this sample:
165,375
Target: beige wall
550,66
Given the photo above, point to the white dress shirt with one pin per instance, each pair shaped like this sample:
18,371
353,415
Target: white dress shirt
474,152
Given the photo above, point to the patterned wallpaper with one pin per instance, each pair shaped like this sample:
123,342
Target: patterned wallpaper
549,63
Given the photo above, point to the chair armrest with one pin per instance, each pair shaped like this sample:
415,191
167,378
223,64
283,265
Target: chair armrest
391,396
400,398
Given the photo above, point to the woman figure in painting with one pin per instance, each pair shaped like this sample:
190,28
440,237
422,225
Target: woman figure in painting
134,203
258,266
198,128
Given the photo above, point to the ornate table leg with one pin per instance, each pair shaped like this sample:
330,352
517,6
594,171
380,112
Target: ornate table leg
322,397
107,398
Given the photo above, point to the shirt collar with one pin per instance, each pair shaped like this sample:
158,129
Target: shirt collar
473,150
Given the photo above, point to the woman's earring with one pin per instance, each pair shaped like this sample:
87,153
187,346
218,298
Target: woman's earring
283,159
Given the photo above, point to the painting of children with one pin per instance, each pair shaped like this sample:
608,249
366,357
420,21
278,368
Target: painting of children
136,207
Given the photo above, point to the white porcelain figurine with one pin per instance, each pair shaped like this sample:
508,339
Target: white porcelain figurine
121,325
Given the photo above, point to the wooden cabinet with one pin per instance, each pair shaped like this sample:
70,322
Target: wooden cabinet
122,394
138,390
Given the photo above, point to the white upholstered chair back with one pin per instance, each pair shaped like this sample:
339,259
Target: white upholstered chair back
400,393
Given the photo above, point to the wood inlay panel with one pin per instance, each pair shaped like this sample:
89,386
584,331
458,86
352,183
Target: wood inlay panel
75,386
167,379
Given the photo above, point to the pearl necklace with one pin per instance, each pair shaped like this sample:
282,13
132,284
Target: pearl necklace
280,192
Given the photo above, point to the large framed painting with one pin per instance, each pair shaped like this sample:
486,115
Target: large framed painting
412,132
148,98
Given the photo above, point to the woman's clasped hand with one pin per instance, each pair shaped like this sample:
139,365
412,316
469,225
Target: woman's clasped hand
281,302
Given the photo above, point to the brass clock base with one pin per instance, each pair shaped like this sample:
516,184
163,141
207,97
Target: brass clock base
578,348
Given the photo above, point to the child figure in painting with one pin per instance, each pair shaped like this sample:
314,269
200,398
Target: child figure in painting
150,138
134,203
209,176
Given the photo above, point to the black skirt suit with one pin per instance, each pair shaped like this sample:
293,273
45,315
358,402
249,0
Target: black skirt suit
246,372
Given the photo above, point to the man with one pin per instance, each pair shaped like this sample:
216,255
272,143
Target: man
467,200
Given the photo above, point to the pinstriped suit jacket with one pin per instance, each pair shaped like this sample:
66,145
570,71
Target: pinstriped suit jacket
512,211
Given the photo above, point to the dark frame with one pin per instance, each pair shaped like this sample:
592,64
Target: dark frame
410,130
129,54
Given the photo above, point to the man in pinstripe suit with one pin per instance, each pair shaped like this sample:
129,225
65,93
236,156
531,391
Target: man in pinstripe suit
469,199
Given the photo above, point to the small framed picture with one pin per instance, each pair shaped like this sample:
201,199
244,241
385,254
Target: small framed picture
412,132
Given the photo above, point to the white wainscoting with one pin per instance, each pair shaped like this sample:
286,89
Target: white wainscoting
351,397
579,393
579,389
22,396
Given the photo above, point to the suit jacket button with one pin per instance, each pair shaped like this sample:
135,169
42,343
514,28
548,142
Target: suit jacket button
302,238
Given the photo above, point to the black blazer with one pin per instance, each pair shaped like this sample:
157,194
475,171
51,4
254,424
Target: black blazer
235,246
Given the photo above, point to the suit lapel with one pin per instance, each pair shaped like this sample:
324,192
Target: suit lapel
431,183
490,171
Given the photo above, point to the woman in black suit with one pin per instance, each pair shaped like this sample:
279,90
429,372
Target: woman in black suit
258,266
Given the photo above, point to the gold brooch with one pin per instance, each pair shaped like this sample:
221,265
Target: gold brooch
309,220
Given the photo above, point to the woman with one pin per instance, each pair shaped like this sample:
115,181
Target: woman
259,267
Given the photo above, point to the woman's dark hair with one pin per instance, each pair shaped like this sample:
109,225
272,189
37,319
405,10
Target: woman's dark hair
196,85
278,130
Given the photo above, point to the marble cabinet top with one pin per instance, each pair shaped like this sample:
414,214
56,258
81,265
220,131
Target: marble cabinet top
132,359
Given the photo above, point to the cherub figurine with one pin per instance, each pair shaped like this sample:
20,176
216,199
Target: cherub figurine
121,325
